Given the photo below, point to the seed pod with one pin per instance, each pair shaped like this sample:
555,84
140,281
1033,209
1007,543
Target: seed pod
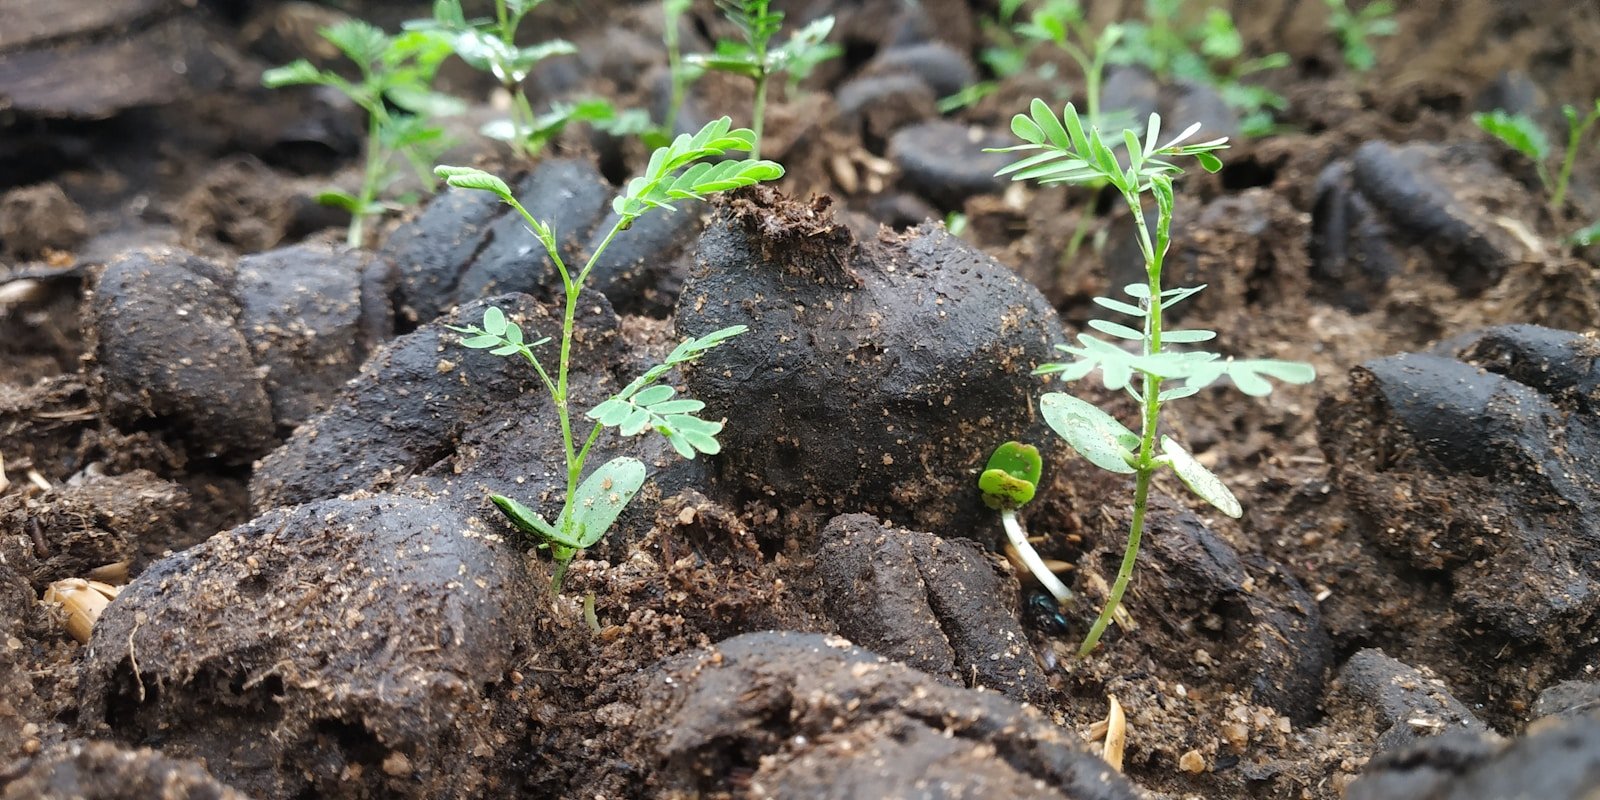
81,601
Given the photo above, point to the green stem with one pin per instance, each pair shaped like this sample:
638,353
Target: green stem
675,71
1141,495
1150,390
758,114
1081,230
522,118
573,286
369,180
1575,132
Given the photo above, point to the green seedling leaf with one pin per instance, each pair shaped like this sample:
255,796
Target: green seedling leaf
1119,306
1012,476
1096,435
360,41
337,198
1583,237
1250,375
1116,329
423,101
1187,337
469,178
1205,485
528,520
296,73
592,510
1517,131
1172,297
494,321
654,395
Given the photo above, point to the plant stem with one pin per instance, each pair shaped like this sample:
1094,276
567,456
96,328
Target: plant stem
369,180
573,286
1141,495
758,114
1019,540
1150,389
1575,132
1079,231
675,72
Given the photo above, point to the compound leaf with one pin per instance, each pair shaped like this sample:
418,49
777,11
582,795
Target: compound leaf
1517,131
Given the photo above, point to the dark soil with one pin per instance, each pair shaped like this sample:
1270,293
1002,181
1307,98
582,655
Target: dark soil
279,446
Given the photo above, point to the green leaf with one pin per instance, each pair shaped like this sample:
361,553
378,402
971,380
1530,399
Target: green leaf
1584,237
1187,337
680,406
470,178
691,349
654,395
482,342
1517,131
1096,435
424,101
1116,329
1012,475
494,321
338,198
1177,392
1209,162
294,74
360,41
528,520
1205,485
594,507
1249,375
1119,306
1172,297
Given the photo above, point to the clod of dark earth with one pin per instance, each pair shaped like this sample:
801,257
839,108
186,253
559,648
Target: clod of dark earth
280,448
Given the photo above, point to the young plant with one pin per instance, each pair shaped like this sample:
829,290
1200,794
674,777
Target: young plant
1153,373
1062,23
1522,134
394,89
1356,28
759,60
490,45
677,171
1008,482
1209,53
1013,41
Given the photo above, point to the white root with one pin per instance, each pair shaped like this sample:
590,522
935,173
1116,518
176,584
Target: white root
1030,557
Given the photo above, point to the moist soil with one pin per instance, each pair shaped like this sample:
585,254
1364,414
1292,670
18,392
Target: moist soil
275,442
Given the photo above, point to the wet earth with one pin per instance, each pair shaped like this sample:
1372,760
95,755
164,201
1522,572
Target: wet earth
274,445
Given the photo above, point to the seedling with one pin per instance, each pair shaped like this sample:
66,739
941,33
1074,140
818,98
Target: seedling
677,171
757,59
1522,134
490,45
1067,152
395,71
1355,29
1062,23
1058,22
1209,53
1008,482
